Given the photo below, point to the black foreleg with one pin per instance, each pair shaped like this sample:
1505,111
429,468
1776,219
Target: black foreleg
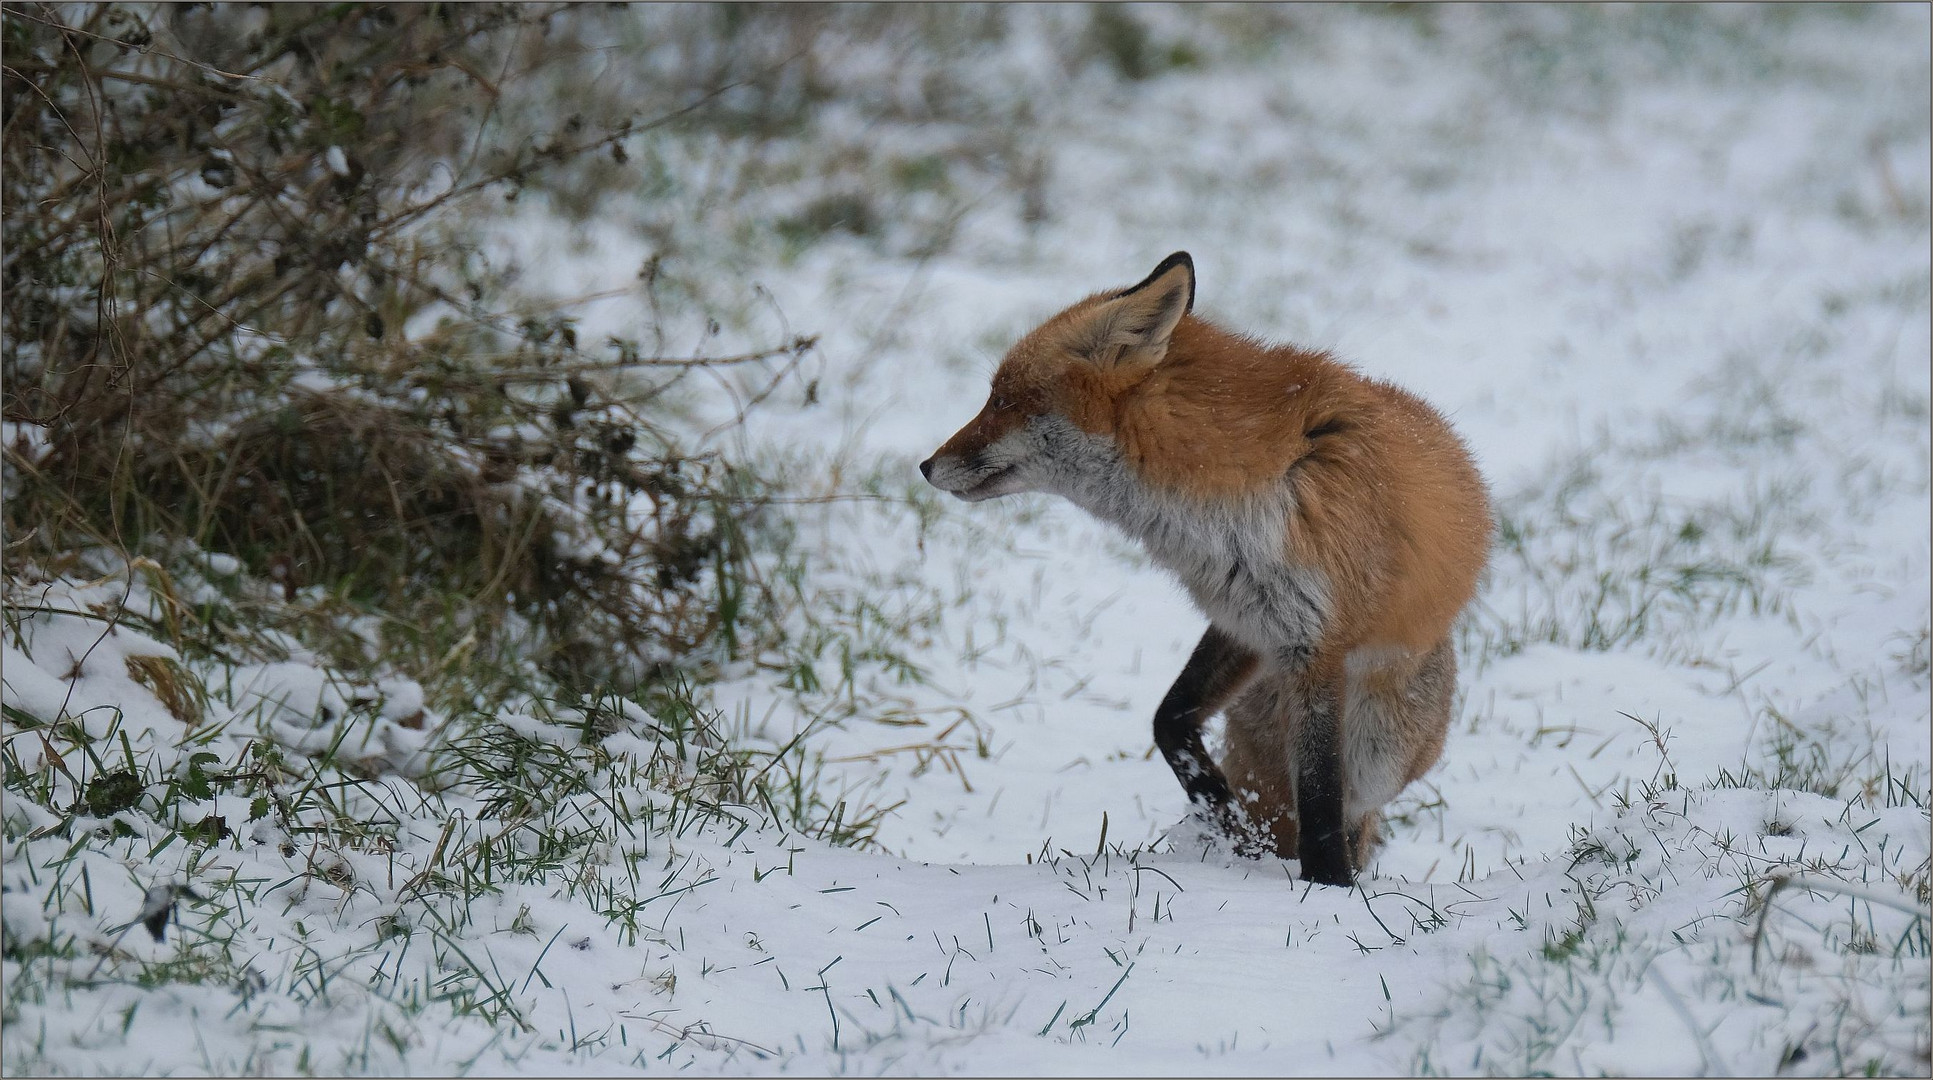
1323,843
1214,672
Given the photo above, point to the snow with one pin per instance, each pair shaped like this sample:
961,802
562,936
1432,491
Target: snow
1685,330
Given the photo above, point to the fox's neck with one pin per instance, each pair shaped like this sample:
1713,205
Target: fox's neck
1230,553
1096,475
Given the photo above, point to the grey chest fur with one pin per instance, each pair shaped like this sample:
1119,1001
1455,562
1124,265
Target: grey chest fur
1230,554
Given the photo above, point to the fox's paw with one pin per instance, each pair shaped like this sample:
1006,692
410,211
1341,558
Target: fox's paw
1250,839
1226,828
1199,830
1213,830
1327,864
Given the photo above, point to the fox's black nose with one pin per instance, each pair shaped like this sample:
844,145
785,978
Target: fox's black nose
926,468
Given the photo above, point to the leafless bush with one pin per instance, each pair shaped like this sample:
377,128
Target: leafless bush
245,306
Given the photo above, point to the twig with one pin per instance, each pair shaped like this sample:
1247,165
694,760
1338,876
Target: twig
552,371
405,216
1781,880
18,13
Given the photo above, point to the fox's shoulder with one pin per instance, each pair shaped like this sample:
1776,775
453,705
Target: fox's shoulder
1229,414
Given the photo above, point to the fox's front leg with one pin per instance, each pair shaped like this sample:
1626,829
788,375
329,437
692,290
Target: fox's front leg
1217,669
1323,843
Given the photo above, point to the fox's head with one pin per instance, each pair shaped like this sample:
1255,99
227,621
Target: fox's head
1051,407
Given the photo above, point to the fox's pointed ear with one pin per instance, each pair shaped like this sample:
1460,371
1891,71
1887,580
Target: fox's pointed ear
1179,266
1136,323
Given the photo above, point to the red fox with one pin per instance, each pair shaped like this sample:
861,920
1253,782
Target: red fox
1330,526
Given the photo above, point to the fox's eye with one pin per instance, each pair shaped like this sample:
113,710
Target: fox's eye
1000,403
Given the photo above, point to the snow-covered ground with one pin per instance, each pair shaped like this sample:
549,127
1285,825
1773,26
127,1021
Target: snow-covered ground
1674,292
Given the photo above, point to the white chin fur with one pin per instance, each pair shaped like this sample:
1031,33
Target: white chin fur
953,478
991,487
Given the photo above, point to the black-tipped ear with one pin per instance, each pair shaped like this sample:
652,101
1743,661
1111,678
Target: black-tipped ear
1179,258
1136,324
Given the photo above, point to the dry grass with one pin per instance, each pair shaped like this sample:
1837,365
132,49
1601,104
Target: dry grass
226,222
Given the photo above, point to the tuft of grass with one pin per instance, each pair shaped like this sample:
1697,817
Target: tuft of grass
177,687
